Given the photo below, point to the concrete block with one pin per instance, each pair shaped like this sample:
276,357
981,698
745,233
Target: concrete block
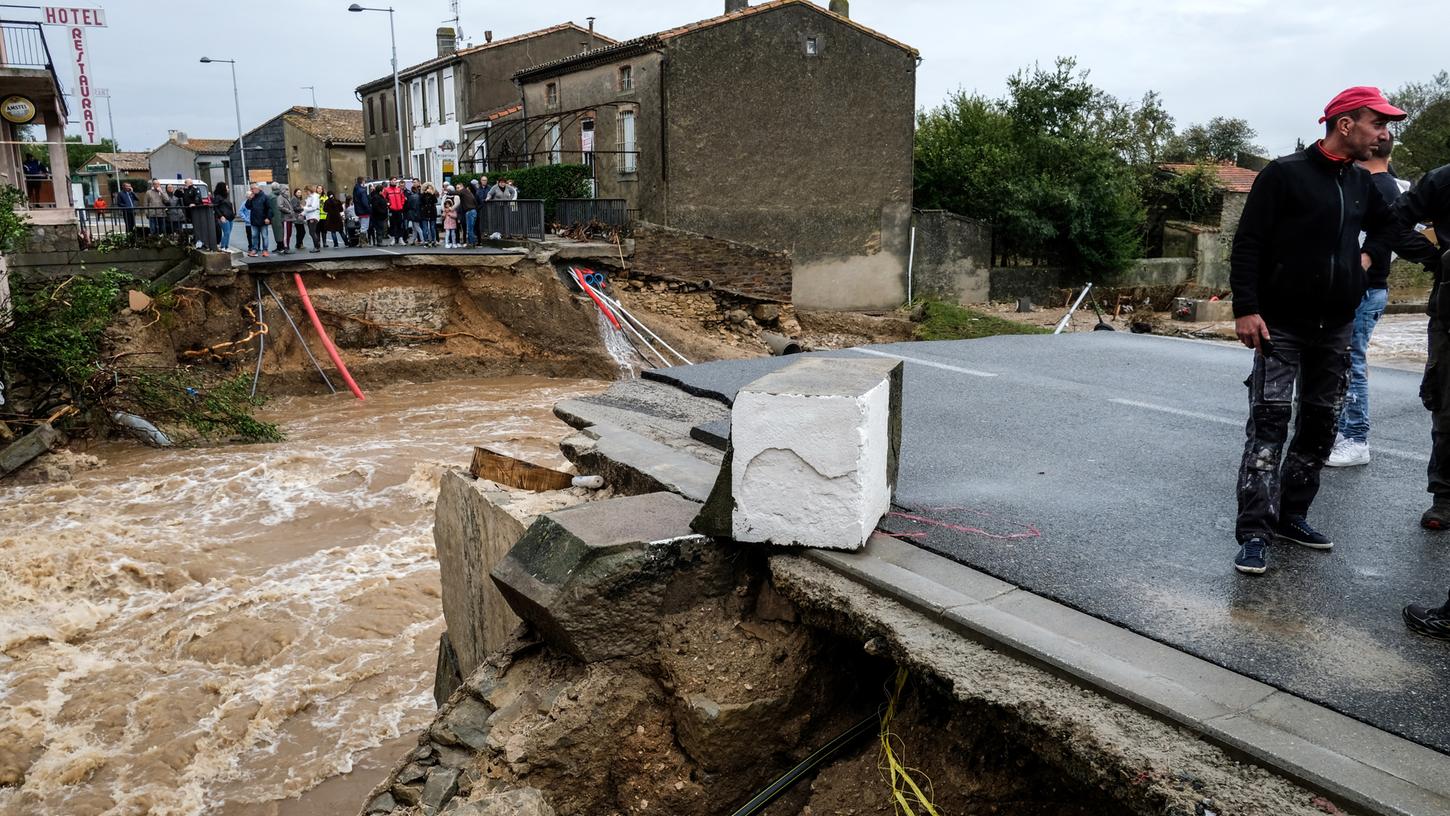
19,453
813,453
474,527
594,580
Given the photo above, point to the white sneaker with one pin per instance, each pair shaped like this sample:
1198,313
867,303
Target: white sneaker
1348,453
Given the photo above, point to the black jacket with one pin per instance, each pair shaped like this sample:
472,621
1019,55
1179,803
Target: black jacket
1381,257
1428,202
361,201
1296,254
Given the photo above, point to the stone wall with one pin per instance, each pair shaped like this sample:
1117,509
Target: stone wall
146,264
953,258
729,265
1208,246
53,237
1045,285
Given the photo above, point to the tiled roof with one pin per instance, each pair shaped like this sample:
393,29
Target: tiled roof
125,161
208,145
423,67
503,112
1231,177
647,41
336,125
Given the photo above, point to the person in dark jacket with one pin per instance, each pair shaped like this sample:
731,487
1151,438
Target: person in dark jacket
362,207
334,220
380,217
1298,275
468,212
412,233
1425,203
259,210
428,215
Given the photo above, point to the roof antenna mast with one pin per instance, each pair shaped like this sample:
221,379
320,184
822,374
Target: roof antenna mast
457,27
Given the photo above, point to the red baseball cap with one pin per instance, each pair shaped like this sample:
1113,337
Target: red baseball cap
1361,96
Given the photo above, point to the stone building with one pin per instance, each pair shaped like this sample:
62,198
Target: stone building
783,125
449,96
182,157
32,104
1210,241
304,145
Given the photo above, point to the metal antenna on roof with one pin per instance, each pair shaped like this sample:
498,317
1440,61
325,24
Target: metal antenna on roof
457,26
313,89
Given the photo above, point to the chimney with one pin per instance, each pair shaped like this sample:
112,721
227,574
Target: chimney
488,36
180,136
732,6
841,7
171,135
591,33
447,41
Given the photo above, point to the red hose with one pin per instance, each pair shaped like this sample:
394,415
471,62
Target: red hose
326,341
614,321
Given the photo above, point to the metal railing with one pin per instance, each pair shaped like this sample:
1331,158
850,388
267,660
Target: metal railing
122,228
613,212
22,45
523,217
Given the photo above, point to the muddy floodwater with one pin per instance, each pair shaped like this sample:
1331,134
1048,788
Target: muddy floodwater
225,630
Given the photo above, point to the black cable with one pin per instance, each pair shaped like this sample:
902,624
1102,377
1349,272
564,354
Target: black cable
763,799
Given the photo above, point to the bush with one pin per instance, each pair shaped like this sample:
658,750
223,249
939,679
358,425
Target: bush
53,357
14,223
549,182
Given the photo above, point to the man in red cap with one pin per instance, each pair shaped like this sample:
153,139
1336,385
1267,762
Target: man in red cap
1298,275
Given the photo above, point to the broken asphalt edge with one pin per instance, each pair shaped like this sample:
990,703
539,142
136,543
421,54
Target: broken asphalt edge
1309,743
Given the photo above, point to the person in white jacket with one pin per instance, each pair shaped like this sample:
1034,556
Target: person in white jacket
311,212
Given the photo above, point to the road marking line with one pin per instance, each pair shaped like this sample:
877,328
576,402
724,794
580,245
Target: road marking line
929,363
1238,423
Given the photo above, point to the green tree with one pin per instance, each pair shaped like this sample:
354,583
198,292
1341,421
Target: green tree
1425,143
77,153
1046,165
1222,139
1425,132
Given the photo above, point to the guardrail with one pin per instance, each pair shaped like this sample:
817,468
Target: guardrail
120,227
613,212
511,219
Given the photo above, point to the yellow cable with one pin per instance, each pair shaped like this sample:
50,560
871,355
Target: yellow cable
899,773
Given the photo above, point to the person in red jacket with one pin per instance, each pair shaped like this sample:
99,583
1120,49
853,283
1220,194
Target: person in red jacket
393,194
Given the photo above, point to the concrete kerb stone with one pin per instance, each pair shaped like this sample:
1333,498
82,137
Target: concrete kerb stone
1320,748
594,580
812,455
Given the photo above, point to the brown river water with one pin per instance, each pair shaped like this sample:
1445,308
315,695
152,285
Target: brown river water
224,630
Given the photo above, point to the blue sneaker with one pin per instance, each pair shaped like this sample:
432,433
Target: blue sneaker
1296,529
1253,557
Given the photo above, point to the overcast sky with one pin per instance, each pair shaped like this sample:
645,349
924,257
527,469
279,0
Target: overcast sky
1272,62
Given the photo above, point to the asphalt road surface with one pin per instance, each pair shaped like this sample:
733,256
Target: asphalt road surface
1098,469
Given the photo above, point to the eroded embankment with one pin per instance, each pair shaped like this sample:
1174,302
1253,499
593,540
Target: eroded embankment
755,664
407,318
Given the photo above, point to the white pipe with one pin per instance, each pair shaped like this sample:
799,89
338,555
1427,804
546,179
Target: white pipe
625,322
1062,324
637,322
910,261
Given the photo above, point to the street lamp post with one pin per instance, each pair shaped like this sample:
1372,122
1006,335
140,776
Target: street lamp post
237,101
397,94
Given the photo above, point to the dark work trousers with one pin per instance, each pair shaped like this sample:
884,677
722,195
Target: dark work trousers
1315,364
299,232
1435,394
395,225
314,231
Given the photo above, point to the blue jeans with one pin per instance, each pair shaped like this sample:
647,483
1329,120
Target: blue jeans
428,230
470,235
226,241
1354,419
259,239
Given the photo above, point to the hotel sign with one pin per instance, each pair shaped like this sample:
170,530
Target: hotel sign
76,20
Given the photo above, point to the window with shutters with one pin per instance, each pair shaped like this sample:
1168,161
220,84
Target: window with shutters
628,157
626,78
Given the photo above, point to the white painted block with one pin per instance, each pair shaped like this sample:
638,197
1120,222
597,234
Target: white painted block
810,455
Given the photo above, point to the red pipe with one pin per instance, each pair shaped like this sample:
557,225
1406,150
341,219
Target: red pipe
579,277
326,341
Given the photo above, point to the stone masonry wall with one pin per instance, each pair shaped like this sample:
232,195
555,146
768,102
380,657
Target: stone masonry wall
730,266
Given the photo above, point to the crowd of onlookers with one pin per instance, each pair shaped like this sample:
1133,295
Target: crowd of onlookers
391,213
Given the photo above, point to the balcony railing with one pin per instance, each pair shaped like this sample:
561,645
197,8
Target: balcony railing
23,45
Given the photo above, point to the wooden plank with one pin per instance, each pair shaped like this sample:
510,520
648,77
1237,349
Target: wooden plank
18,454
506,470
